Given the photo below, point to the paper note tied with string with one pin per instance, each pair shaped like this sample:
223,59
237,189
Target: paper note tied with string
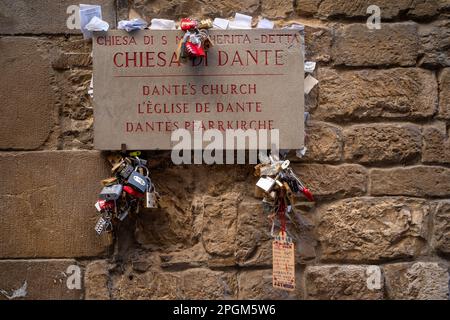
283,275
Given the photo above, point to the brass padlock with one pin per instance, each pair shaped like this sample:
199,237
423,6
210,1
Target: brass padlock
109,181
205,24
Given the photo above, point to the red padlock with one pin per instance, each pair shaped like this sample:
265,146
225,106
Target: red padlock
102,205
133,192
194,50
188,24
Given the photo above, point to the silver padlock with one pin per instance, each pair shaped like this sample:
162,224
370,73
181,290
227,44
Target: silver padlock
111,192
150,196
101,225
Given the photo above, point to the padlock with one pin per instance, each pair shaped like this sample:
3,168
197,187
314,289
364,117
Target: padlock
188,24
125,171
111,192
109,181
114,159
102,205
194,50
117,166
205,24
150,200
129,190
205,40
137,181
266,183
100,226
184,41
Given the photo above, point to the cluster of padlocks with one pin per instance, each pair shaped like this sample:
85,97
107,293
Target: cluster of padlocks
195,41
123,194
280,185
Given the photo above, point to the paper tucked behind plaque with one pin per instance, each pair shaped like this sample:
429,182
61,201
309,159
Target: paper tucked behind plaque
87,12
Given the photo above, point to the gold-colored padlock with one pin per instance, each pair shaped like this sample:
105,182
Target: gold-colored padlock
109,181
114,158
205,24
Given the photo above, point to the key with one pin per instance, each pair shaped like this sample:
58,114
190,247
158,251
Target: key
123,215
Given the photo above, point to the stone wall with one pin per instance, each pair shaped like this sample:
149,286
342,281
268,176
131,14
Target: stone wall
378,162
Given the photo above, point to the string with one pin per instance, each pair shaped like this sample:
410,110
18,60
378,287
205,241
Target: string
282,211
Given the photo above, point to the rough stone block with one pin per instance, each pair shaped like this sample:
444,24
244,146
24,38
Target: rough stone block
343,282
96,280
398,93
28,112
441,229
372,229
46,16
444,94
435,43
41,279
418,181
257,285
47,204
276,9
393,44
416,281
197,283
330,182
382,143
436,144
178,9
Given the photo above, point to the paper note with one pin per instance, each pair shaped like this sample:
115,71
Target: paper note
310,66
97,24
133,24
220,23
87,12
310,83
283,275
162,24
241,21
265,24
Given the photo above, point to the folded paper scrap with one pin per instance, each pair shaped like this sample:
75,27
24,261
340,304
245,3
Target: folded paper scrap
241,21
220,23
265,24
309,83
133,24
162,24
87,12
97,24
